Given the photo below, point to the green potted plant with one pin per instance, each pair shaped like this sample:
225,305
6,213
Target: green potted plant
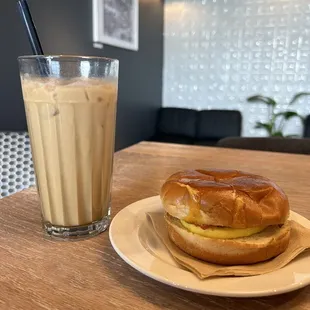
277,121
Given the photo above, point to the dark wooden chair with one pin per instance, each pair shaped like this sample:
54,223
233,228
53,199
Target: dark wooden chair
273,144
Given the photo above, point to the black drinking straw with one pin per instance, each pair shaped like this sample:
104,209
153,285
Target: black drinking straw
30,27
32,33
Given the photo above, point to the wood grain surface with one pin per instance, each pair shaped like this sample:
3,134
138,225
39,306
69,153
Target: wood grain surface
36,273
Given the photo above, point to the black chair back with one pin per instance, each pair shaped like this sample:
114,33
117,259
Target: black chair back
186,126
218,124
176,125
307,127
176,121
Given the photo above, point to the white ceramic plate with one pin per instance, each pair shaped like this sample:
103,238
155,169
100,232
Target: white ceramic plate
137,244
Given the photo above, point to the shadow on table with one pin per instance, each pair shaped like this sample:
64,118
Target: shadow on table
166,297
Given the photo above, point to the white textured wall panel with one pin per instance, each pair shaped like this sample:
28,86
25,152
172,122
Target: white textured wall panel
219,52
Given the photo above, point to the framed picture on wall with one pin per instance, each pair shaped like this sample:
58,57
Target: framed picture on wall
116,23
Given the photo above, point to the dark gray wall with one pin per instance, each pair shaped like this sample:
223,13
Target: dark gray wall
65,27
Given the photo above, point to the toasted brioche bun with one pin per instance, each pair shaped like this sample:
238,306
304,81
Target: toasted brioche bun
247,250
224,198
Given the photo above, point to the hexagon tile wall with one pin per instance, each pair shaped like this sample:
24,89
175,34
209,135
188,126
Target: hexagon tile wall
16,169
218,52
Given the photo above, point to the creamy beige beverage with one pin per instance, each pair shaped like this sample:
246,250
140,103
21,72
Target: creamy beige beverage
72,127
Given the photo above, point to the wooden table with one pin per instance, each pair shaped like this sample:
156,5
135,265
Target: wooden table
36,273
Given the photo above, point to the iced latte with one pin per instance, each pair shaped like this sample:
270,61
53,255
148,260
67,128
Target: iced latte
71,123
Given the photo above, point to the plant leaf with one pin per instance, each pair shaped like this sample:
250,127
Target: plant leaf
288,114
267,100
266,126
277,134
297,96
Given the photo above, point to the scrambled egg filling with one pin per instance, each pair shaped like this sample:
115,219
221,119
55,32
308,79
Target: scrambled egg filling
222,232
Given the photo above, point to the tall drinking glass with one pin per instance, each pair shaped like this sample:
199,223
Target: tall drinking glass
70,104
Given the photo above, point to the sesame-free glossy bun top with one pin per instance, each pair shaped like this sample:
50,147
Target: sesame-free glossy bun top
224,198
